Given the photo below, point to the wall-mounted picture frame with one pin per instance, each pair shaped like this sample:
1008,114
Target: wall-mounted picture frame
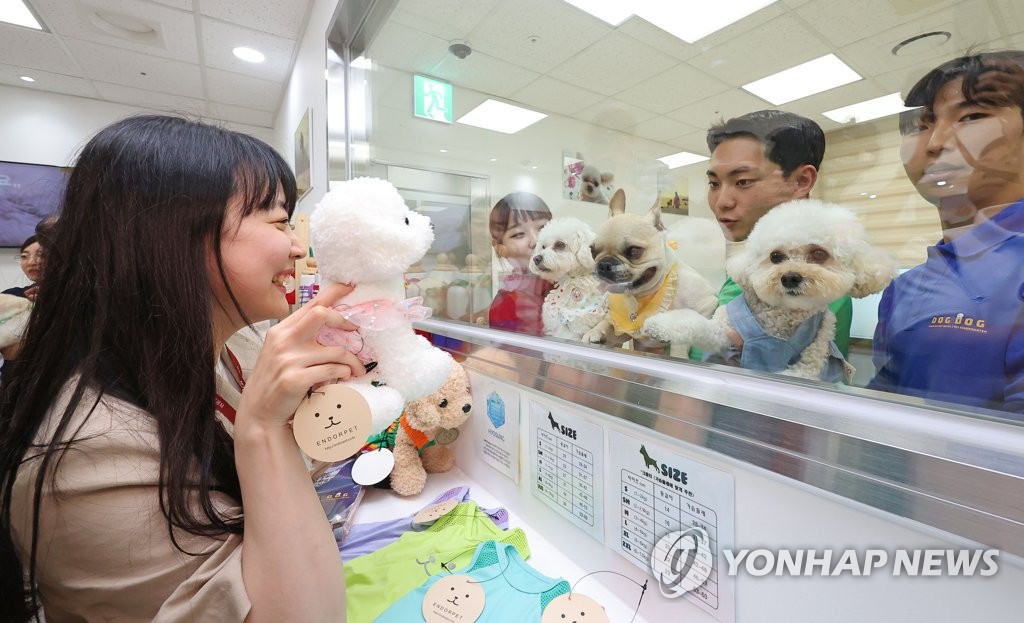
674,193
303,150
583,181
28,194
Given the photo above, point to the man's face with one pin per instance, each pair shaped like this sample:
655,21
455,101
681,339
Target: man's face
965,150
743,184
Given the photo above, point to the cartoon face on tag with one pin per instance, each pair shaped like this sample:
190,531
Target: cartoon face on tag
574,608
453,598
332,423
434,512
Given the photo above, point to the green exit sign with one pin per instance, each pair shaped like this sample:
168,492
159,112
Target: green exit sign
432,99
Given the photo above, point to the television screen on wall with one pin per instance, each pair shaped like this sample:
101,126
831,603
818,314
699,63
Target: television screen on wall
28,194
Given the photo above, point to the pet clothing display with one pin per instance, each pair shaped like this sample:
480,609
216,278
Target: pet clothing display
366,538
514,591
375,581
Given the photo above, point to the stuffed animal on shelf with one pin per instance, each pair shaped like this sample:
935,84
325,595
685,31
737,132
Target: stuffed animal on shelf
366,236
424,431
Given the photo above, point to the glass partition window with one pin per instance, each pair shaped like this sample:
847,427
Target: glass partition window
820,189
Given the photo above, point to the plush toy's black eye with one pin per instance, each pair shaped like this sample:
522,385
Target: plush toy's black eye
316,415
443,403
407,220
558,246
777,257
634,253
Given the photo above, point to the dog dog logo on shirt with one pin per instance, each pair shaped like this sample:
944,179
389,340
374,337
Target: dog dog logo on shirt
554,424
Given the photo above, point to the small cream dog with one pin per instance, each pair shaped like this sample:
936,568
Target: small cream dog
562,256
636,261
799,257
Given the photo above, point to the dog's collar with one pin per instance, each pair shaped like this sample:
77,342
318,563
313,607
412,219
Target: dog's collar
628,312
418,437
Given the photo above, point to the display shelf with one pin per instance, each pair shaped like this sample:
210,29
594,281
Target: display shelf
547,556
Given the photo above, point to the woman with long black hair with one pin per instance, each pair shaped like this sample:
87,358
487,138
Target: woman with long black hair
126,460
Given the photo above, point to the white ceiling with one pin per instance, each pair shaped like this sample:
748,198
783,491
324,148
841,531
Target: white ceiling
187,66
545,54
550,56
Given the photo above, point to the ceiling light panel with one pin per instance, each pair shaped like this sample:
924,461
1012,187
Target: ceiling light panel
869,109
690,22
17,12
682,159
500,117
817,76
684,20
612,11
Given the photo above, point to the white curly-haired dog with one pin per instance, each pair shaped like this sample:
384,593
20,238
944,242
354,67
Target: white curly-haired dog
562,256
799,257
364,234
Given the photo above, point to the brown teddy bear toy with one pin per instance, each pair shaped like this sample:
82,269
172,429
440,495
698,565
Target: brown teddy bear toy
426,428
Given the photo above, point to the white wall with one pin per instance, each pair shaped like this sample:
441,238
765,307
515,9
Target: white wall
307,88
49,128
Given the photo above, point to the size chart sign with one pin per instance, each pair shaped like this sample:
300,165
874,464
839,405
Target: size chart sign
567,454
661,494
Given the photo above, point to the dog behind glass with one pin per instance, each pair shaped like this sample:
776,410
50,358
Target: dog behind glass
637,264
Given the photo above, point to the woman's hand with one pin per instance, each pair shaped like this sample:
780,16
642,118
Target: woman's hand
292,361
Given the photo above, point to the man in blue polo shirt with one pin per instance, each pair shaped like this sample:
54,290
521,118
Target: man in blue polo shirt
952,329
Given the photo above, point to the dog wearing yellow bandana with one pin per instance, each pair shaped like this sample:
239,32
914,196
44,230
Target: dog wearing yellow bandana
637,264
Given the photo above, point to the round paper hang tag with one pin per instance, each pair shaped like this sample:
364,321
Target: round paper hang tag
453,599
373,466
332,423
446,435
574,607
434,512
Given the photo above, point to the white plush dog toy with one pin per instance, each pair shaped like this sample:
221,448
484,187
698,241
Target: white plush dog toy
365,235
799,257
563,256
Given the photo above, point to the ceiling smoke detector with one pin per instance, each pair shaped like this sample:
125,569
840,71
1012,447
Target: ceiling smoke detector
460,50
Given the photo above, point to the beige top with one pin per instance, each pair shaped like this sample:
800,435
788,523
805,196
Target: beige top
105,552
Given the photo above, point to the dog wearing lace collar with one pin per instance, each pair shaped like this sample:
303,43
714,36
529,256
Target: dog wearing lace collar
562,256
